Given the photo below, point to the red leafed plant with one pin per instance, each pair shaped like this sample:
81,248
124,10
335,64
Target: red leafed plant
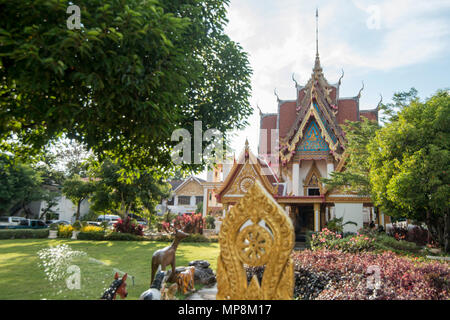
128,226
346,276
190,223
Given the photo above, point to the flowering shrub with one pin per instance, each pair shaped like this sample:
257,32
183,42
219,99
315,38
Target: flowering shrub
342,275
91,229
128,226
188,223
330,240
65,231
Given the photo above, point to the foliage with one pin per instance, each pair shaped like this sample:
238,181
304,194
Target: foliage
387,243
65,231
20,185
23,233
330,240
355,177
90,216
128,225
346,276
123,192
77,190
77,225
410,161
54,226
191,223
336,224
210,222
135,71
91,229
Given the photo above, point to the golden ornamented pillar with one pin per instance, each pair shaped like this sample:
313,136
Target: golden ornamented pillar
267,240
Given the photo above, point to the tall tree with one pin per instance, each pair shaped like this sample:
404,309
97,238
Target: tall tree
410,165
134,72
125,193
77,190
20,185
355,176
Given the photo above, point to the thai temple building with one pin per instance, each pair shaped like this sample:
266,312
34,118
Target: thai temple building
310,144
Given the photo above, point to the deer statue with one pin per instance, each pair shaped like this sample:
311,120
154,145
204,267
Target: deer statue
166,256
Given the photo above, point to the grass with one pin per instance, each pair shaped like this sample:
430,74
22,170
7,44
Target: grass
21,277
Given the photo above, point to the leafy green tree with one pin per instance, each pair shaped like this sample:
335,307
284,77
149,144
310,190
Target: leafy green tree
410,165
135,71
20,185
121,193
355,176
77,190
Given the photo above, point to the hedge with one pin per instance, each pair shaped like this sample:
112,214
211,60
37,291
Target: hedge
113,236
23,233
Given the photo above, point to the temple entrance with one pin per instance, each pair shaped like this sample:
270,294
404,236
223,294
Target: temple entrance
304,221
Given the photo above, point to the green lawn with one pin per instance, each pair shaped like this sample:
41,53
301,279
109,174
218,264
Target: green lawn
22,278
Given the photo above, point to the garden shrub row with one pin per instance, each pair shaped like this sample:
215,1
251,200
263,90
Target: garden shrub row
101,236
23,233
325,275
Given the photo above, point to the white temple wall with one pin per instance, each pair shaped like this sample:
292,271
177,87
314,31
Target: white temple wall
350,212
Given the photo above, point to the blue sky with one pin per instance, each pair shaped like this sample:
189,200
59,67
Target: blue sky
391,45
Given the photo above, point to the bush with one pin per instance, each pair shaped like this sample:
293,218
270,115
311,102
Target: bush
330,240
113,236
385,242
65,231
128,226
24,233
346,275
210,222
90,228
97,236
77,225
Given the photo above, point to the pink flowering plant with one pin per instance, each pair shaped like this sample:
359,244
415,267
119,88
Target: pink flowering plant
327,239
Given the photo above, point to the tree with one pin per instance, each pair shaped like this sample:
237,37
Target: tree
135,71
409,165
139,192
20,185
355,176
77,190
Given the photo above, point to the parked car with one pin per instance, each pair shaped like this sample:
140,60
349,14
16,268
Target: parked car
65,222
110,218
11,221
94,223
27,224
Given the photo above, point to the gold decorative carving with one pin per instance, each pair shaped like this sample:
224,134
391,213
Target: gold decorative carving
256,245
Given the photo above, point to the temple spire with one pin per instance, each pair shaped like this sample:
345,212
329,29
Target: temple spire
317,68
317,33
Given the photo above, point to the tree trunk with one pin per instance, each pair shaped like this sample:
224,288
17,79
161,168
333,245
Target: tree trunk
77,216
439,227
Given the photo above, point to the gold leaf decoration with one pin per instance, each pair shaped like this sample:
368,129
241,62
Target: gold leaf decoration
256,232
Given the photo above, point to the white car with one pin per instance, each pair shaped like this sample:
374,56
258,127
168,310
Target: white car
110,218
11,221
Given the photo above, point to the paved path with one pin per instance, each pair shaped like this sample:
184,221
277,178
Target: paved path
206,293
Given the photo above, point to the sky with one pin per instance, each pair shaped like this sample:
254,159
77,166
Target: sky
391,45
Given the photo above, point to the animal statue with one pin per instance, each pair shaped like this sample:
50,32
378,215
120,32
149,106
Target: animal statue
166,256
185,280
168,292
154,293
117,287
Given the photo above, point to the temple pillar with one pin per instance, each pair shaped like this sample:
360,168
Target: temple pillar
316,217
205,202
295,178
